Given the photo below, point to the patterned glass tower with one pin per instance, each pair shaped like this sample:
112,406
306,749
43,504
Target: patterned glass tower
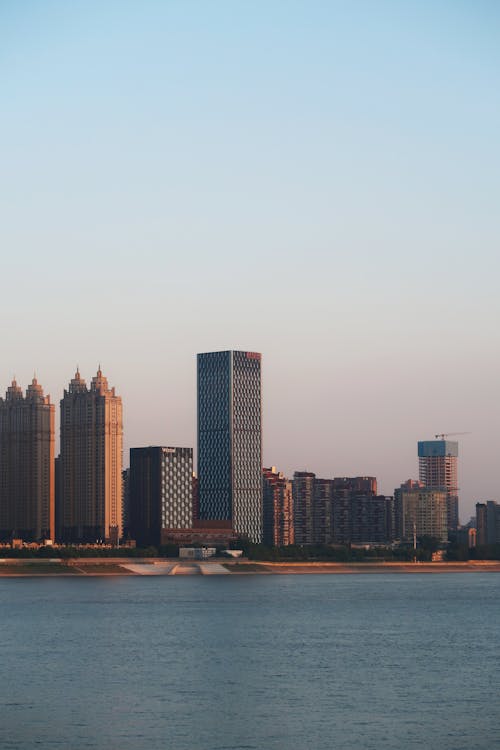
161,492
230,440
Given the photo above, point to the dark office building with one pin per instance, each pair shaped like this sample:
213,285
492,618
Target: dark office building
161,492
126,503
58,498
359,515
371,519
303,486
230,440
323,511
196,499
487,523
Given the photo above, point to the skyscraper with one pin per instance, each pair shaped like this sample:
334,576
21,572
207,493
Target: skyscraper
437,469
230,440
91,461
27,482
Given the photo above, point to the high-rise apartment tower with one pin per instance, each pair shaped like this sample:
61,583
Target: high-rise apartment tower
437,469
278,508
230,440
27,482
91,461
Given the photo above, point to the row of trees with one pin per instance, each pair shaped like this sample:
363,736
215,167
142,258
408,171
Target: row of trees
260,552
325,553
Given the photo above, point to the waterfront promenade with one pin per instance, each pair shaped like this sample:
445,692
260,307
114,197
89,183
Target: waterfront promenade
161,566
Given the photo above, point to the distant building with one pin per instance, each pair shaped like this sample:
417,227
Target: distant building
278,509
471,537
487,523
161,492
91,461
343,510
371,519
27,478
206,533
356,516
466,536
422,511
363,485
360,515
303,486
197,553
322,511
437,468
126,503
230,440
481,524
58,498
196,499
410,484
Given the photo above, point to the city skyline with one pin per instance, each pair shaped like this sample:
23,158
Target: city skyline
250,265
320,185
464,511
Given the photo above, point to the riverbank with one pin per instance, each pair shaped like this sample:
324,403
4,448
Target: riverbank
161,566
287,568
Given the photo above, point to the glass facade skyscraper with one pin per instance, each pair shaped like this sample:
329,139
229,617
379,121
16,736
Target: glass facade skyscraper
230,440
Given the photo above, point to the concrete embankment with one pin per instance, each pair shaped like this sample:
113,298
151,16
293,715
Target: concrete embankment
108,567
162,567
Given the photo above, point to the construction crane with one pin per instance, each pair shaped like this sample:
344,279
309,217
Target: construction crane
444,435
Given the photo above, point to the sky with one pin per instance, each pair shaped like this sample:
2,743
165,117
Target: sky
316,181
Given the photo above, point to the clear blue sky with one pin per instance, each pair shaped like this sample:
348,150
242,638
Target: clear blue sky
318,181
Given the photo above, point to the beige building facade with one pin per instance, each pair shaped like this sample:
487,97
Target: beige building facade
424,511
91,462
438,470
27,484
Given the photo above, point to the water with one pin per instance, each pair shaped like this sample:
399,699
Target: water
378,662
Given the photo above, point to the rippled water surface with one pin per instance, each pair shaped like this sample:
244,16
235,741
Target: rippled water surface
380,661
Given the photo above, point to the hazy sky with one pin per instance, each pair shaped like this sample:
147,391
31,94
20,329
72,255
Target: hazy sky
317,181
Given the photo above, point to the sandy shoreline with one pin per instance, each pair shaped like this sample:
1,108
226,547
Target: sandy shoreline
150,566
